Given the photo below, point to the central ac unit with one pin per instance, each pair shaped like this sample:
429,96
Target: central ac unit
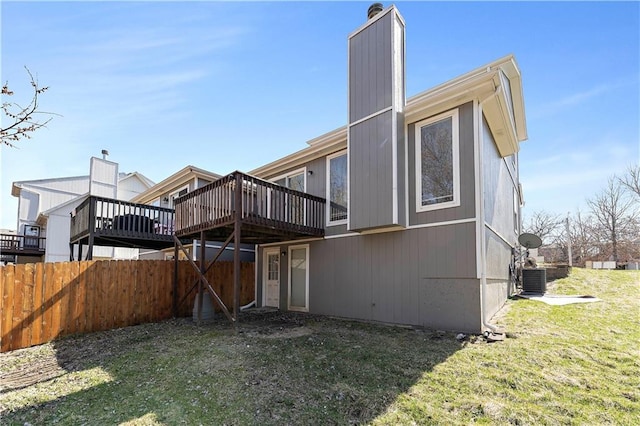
534,280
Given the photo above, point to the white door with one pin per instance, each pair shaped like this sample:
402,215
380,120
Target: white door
299,278
272,277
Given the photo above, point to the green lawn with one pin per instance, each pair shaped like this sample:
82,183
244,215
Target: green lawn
573,364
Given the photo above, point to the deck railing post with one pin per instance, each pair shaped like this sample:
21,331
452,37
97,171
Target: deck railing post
236,246
175,280
202,272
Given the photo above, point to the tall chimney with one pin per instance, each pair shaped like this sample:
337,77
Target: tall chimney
375,131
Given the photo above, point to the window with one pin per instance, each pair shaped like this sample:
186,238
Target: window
437,162
293,181
179,193
294,208
516,204
337,188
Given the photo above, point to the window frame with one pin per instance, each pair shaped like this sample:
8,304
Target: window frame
175,194
328,191
295,172
455,136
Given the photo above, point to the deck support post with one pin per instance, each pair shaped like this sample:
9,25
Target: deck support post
90,247
237,227
203,279
92,229
203,270
175,280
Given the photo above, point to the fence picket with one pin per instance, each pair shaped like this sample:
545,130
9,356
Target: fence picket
18,295
38,304
7,307
81,297
27,305
41,302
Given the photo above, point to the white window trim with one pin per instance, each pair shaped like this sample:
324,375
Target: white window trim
303,172
175,193
516,213
306,302
295,172
328,191
453,114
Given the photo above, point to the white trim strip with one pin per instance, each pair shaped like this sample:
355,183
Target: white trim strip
479,182
499,235
446,223
284,243
356,234
424,225
370,116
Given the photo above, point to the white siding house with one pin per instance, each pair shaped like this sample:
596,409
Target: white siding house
45,205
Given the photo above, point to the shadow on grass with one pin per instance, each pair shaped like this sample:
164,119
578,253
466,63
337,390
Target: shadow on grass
275,368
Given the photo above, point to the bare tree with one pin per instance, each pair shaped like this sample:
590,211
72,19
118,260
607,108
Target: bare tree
543,224
20,120
631,179
615,215
584,245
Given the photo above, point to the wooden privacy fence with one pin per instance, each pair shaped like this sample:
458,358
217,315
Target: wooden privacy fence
43,301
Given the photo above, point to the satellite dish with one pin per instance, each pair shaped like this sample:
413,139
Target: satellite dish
529,241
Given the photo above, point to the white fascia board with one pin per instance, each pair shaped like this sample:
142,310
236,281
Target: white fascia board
142,178
445,99
16,186
474,85
178,179
500,120
330,143
76,200
510,68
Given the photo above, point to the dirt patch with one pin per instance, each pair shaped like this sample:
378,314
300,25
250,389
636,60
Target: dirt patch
23,375
281,333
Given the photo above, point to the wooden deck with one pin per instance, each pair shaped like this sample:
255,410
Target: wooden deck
114,223
11,244
239,208
267,212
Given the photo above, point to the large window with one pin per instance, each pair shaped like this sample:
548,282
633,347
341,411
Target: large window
437,162
337,189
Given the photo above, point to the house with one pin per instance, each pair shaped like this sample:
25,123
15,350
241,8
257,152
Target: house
408,215
44,208
164,194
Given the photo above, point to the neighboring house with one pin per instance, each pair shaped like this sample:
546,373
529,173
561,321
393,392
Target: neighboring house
421,198
45,205
164,194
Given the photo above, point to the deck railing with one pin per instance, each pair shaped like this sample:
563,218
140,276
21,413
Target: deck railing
261,203
16,244
115,218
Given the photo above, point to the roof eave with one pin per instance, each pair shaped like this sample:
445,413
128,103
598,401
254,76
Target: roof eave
162,186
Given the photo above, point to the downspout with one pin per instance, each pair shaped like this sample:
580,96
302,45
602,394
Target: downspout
483,233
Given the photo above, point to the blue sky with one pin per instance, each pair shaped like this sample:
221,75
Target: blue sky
226,86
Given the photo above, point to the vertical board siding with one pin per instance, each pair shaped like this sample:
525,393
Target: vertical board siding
370,58
370,173
424,277
41,302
